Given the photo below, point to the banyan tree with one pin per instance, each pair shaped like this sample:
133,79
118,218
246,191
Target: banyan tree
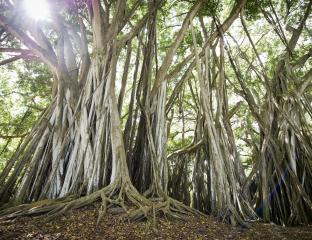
121,82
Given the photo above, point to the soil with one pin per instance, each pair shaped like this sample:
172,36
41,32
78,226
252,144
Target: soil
81,224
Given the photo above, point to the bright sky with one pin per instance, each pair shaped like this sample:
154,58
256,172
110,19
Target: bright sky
37,9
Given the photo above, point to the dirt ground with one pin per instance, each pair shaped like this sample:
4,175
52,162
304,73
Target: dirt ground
81,224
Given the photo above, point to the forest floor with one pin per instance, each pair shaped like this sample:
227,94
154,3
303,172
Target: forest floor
81,224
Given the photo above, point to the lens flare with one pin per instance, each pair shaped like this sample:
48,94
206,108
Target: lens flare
37,9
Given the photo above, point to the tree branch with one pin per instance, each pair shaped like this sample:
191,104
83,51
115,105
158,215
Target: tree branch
13,136
17,57
27,41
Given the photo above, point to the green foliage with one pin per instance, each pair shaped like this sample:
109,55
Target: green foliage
188,40
36,79
253,8
177,143
210,8
25,90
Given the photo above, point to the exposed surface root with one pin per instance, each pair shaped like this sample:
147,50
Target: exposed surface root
120,194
